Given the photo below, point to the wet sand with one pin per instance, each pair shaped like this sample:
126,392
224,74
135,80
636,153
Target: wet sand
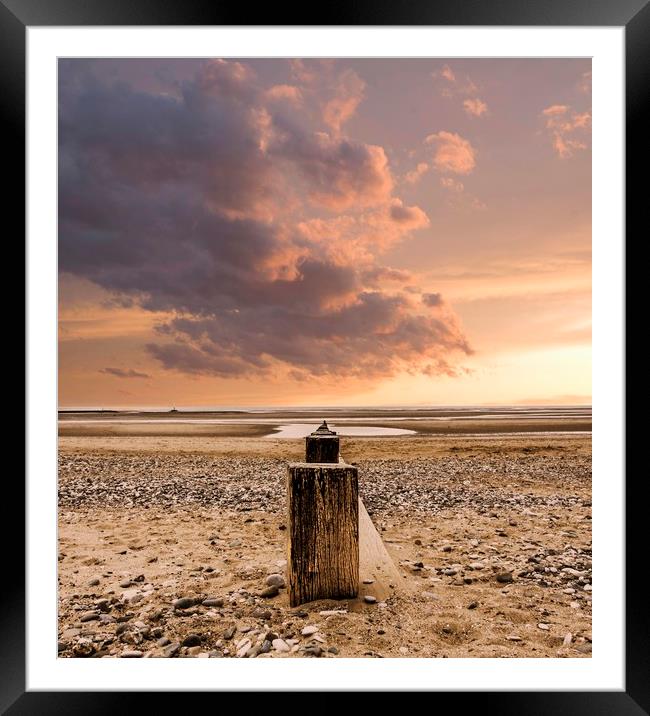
491,533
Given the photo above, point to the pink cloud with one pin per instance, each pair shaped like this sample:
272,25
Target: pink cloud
452,153
349,93
452,184
475,107
254,240
290,93
568,130
416,174
447,73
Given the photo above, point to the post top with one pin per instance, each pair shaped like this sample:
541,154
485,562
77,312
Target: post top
323,430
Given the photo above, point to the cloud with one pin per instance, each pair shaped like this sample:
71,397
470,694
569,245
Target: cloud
569,130
475,107
340,172
452,184
289,93
416,174
452,153
584,83
349,93
452,84
124,373
432,299
255,240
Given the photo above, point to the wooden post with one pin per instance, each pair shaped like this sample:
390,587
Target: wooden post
322,445
323,539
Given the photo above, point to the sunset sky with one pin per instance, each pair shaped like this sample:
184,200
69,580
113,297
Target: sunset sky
324,232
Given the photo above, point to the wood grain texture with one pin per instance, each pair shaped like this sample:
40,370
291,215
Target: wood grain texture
375,563
323,531
321,449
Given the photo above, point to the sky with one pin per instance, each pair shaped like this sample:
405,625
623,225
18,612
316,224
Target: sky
269,232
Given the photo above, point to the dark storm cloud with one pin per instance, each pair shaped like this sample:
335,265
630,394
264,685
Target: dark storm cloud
178,202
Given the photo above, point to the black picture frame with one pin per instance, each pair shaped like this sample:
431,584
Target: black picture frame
17,15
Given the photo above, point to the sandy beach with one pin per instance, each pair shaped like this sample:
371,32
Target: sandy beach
491,534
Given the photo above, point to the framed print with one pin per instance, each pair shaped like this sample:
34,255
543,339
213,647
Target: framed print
325,353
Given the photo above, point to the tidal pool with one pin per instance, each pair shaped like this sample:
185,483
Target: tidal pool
301,430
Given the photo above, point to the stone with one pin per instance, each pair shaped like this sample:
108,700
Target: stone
275,580
472,605
191,640
134,654
568,637
513,637
262,614
83,648
309,630
543,626
504,577
243,649
333,650
266,647
229,633
89,617
93,583
212,602
70,633
369,599
183,603
280,645
194,650
270,592
171,650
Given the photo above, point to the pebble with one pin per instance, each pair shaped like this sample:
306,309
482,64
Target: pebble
213,602
89,617
369,599
280,645
368,581
191,640
172,649
275,580
543,626
308,630
83,648
504,577
229,633
568,637
513,637
270,592
266,647
131,654
472,605
93,583
183,603
243,649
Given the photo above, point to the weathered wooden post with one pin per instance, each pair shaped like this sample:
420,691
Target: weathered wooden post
323,534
